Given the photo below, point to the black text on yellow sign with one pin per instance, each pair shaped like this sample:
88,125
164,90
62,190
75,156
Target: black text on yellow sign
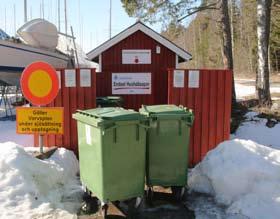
39,120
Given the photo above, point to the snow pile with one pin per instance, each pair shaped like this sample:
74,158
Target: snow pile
255,129
244,176
32,188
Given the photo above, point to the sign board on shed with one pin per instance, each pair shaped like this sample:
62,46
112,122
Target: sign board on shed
179,78
193,79
131,83
136,56
85,77
70,78
39,120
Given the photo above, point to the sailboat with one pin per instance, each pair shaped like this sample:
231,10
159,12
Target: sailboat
38,40
35,44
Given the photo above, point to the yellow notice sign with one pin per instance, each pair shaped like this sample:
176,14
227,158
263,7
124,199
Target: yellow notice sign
43,120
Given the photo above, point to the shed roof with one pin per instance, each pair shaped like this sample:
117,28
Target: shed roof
183,55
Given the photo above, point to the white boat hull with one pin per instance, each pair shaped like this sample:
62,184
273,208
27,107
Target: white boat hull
16,56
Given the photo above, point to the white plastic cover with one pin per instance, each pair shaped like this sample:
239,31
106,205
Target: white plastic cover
39,33
66,46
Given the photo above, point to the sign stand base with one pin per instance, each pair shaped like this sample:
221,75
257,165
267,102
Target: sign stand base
41,144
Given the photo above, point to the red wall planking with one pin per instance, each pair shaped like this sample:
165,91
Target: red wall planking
211,103
112,63
71,98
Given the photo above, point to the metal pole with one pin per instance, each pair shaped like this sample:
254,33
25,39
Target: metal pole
75,47
5,20
58,14
30,13
65,15
43,9
41,144
110,20
25,11
15,22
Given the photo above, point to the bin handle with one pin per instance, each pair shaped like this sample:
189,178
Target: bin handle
145,107
158,127
189,121
80,111
144,126
111,127
101,113
137,132
180,127
114,127
115,135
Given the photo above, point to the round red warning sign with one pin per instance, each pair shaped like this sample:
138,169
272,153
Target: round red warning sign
39,83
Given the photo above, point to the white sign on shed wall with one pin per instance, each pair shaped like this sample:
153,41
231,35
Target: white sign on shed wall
70,78
131,83
193,79
85,78
179,78
136,56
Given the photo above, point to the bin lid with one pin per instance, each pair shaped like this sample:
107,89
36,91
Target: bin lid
110,98
163,109
112,113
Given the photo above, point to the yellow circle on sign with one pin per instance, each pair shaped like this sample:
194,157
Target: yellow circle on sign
40,83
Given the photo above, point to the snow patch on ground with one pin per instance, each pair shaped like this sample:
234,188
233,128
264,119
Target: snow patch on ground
8,133
243,91
33,188
255,129
205,207
242,175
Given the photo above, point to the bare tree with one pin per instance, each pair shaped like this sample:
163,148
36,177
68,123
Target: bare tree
263,31
227,41
169,11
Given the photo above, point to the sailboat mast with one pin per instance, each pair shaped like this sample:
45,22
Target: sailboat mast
110,20
25,11
5,19
30,16
65,14
58,14
15,21
43,9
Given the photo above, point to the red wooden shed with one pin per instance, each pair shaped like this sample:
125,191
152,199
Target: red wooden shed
134,64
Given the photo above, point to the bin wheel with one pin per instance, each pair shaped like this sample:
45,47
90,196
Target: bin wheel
150,195
178,192
105,210
88,192
133,206
90,204
137,202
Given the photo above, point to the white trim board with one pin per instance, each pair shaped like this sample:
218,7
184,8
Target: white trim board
148,31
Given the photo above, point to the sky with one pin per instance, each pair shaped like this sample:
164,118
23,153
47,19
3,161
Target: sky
89,18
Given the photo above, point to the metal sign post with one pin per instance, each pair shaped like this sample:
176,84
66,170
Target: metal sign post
41,144
39,94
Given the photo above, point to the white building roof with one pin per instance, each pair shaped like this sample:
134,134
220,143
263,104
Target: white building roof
183,55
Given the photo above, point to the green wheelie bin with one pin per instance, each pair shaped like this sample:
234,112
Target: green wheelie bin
112,150
109,101
167,147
